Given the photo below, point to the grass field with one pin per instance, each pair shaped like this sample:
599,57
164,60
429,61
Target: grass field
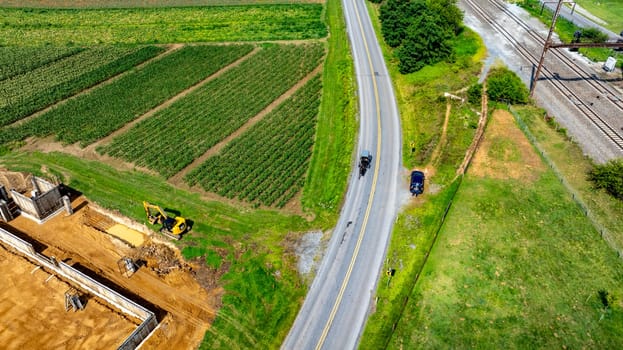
610,11
516,265
139,3
162,25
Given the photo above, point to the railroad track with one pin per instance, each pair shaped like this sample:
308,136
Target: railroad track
554,78
590,78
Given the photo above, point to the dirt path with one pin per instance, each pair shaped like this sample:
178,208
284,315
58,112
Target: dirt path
431,168
170,49
177,179
480,130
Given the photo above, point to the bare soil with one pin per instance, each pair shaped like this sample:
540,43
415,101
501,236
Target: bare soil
164,283
33,315
520,161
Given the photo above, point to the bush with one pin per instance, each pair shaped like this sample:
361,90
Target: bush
505,86
609,177
594,35
474,94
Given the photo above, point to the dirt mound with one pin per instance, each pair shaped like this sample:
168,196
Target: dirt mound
160,258
11,180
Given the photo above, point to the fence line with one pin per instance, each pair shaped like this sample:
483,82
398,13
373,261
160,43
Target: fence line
604,232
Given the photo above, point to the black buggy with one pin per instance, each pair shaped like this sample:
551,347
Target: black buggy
364,162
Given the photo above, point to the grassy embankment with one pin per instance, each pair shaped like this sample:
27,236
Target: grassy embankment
565,29
517,264
249,246
423,107
611,12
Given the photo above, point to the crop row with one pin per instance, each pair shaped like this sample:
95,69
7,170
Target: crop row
268,163
162,25
18,60
27,93
174,137
92,116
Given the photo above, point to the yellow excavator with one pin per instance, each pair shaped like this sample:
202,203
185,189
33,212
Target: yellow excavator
171,227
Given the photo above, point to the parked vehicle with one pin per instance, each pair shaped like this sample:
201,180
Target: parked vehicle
417,183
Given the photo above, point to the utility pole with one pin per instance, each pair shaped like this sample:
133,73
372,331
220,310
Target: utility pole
545,47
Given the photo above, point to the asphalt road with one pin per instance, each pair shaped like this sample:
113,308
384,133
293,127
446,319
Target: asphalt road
338,302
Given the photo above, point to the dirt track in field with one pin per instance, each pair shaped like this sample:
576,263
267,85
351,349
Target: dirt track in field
184,305
504,137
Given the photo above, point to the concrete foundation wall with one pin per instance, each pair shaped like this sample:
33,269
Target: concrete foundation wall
85,282
46,201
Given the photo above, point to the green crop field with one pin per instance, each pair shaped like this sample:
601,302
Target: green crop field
218,108
252,249
35,89
18,60
268,163
107,108
161,25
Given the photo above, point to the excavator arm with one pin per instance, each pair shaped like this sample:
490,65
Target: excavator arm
155,214
171,227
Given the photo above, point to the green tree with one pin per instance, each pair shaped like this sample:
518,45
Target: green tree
426,42
451,16
396,16
609,177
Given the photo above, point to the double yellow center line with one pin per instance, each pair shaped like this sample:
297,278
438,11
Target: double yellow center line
340,295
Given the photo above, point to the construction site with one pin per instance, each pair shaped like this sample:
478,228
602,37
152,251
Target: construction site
75,275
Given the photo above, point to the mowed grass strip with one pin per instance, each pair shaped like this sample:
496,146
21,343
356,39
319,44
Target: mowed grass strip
516,266
268,163
96,114
38,88
161,25
18,60
73,4
174,137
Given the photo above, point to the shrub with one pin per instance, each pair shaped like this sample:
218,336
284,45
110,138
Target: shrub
594,35
474,93
504,86
609,177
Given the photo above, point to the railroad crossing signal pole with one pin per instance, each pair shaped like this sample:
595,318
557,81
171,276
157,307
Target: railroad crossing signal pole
545,47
